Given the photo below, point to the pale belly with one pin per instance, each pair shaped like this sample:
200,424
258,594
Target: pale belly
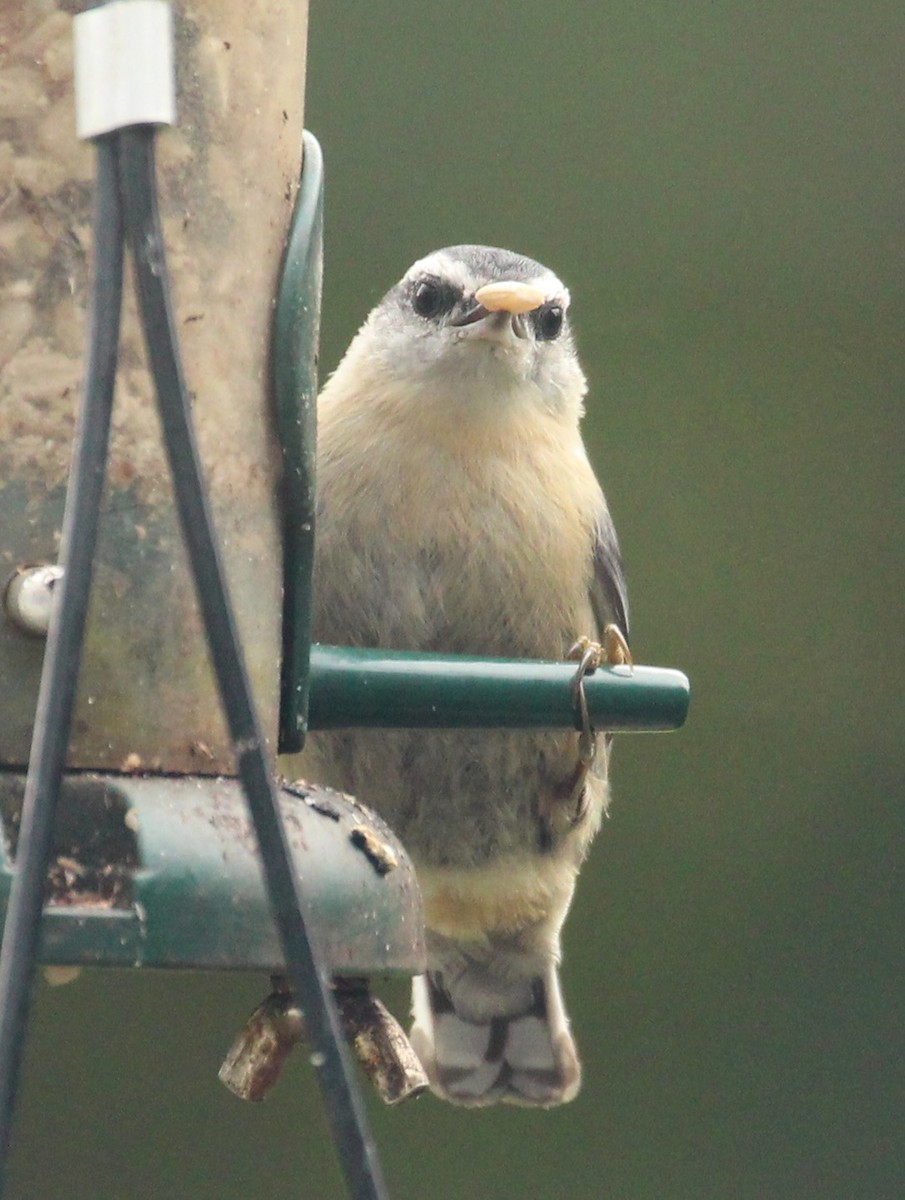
463,565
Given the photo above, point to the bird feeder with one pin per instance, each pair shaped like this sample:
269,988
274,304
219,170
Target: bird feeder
154,860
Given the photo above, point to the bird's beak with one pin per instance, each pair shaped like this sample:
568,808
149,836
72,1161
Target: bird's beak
508,298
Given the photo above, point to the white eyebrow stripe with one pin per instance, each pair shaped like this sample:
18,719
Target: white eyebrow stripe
445,267
552,287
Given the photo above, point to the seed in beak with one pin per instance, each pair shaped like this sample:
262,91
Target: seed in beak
509,296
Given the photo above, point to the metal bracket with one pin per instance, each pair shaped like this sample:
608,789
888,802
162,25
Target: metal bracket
296,333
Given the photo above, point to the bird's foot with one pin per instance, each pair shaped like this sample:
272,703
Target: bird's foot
612,651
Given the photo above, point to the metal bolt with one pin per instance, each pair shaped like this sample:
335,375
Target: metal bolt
28,597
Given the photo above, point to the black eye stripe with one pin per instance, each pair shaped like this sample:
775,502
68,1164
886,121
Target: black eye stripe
548,321
432,297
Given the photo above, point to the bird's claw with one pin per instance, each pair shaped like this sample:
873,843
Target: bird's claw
614,652
587,654
615,648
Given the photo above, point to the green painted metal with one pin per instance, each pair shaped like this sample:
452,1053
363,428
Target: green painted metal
294,367
392,689
164,872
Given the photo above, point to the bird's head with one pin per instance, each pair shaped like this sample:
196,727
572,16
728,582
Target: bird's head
473,326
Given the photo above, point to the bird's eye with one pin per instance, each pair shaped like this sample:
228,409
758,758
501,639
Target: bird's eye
548,322
432,299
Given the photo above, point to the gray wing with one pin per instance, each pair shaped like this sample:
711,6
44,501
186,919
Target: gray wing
609,598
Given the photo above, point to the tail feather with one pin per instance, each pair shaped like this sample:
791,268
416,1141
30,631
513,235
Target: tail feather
526,1056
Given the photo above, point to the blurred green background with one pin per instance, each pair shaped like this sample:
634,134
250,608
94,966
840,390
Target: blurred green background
721,185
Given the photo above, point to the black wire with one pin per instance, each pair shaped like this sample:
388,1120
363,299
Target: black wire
62,655
291,910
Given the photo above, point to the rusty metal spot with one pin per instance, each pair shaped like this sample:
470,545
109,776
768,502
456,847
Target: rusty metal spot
381,856
95,851
316,798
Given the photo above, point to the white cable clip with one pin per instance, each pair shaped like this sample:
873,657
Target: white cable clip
124,66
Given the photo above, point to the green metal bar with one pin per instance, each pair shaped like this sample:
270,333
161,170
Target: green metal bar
392,689
294,367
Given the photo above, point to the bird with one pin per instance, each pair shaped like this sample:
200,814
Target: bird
457,512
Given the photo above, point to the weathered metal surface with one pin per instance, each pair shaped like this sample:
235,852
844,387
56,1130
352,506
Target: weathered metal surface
165,872
228,175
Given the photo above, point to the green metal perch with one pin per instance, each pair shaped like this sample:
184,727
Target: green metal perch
393,689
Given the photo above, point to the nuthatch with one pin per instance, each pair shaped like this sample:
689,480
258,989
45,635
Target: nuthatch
457,512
